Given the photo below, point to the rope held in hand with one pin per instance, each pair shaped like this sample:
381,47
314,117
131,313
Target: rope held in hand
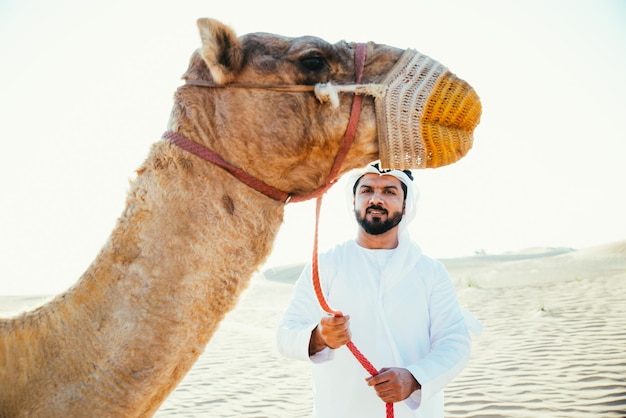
326,307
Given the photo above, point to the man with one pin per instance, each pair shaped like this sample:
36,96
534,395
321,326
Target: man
400,310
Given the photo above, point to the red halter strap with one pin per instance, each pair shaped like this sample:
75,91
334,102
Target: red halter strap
271,191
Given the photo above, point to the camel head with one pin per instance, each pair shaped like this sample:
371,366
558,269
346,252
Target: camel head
278,107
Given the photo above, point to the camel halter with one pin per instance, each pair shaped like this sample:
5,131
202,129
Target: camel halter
325,93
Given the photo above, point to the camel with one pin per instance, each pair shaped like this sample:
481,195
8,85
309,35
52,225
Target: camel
193,233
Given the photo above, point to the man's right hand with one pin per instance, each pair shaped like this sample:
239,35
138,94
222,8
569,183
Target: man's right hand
332,331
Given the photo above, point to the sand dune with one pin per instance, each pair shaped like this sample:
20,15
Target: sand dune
554,339
553,344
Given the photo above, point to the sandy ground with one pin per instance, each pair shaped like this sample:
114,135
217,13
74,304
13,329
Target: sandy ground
553,344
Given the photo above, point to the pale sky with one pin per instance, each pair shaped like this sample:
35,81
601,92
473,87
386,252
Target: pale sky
86,88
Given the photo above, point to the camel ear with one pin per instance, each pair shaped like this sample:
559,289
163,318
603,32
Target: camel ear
221,50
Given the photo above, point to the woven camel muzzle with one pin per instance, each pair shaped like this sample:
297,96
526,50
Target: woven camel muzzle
427,115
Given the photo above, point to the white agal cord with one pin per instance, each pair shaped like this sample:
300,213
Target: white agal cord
329,92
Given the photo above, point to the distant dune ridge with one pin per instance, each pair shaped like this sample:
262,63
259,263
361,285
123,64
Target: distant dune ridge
553,343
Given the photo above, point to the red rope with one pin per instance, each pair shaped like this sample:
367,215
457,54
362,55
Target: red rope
367,365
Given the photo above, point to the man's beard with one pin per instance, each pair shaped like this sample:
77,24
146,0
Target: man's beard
376,226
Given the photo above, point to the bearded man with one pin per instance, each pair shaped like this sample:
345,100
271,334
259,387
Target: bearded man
400,309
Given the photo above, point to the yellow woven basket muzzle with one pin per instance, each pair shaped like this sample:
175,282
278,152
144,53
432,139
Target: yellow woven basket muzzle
427,115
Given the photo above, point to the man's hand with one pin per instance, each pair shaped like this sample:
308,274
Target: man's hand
332,331
393,384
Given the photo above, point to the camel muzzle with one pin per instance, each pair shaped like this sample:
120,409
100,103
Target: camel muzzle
427,115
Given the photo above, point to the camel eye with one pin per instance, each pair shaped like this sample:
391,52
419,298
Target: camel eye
313,63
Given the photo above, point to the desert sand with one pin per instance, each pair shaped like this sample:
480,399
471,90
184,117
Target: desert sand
553,343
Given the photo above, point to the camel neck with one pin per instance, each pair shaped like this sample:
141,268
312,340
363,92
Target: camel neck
178,243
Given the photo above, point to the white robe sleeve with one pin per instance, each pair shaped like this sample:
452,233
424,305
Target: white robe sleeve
301,317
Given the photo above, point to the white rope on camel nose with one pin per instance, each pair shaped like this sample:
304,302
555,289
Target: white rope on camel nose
329,92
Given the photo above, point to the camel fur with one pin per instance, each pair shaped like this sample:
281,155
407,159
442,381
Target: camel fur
191,235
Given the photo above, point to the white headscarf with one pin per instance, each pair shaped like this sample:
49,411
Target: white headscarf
412,195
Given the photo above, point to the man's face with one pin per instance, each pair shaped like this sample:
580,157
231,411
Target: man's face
378,203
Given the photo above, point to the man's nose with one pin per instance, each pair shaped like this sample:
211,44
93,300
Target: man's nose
376,197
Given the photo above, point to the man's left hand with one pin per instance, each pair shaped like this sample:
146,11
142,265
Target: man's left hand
393,384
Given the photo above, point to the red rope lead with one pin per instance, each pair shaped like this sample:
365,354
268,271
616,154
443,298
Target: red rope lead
367,365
